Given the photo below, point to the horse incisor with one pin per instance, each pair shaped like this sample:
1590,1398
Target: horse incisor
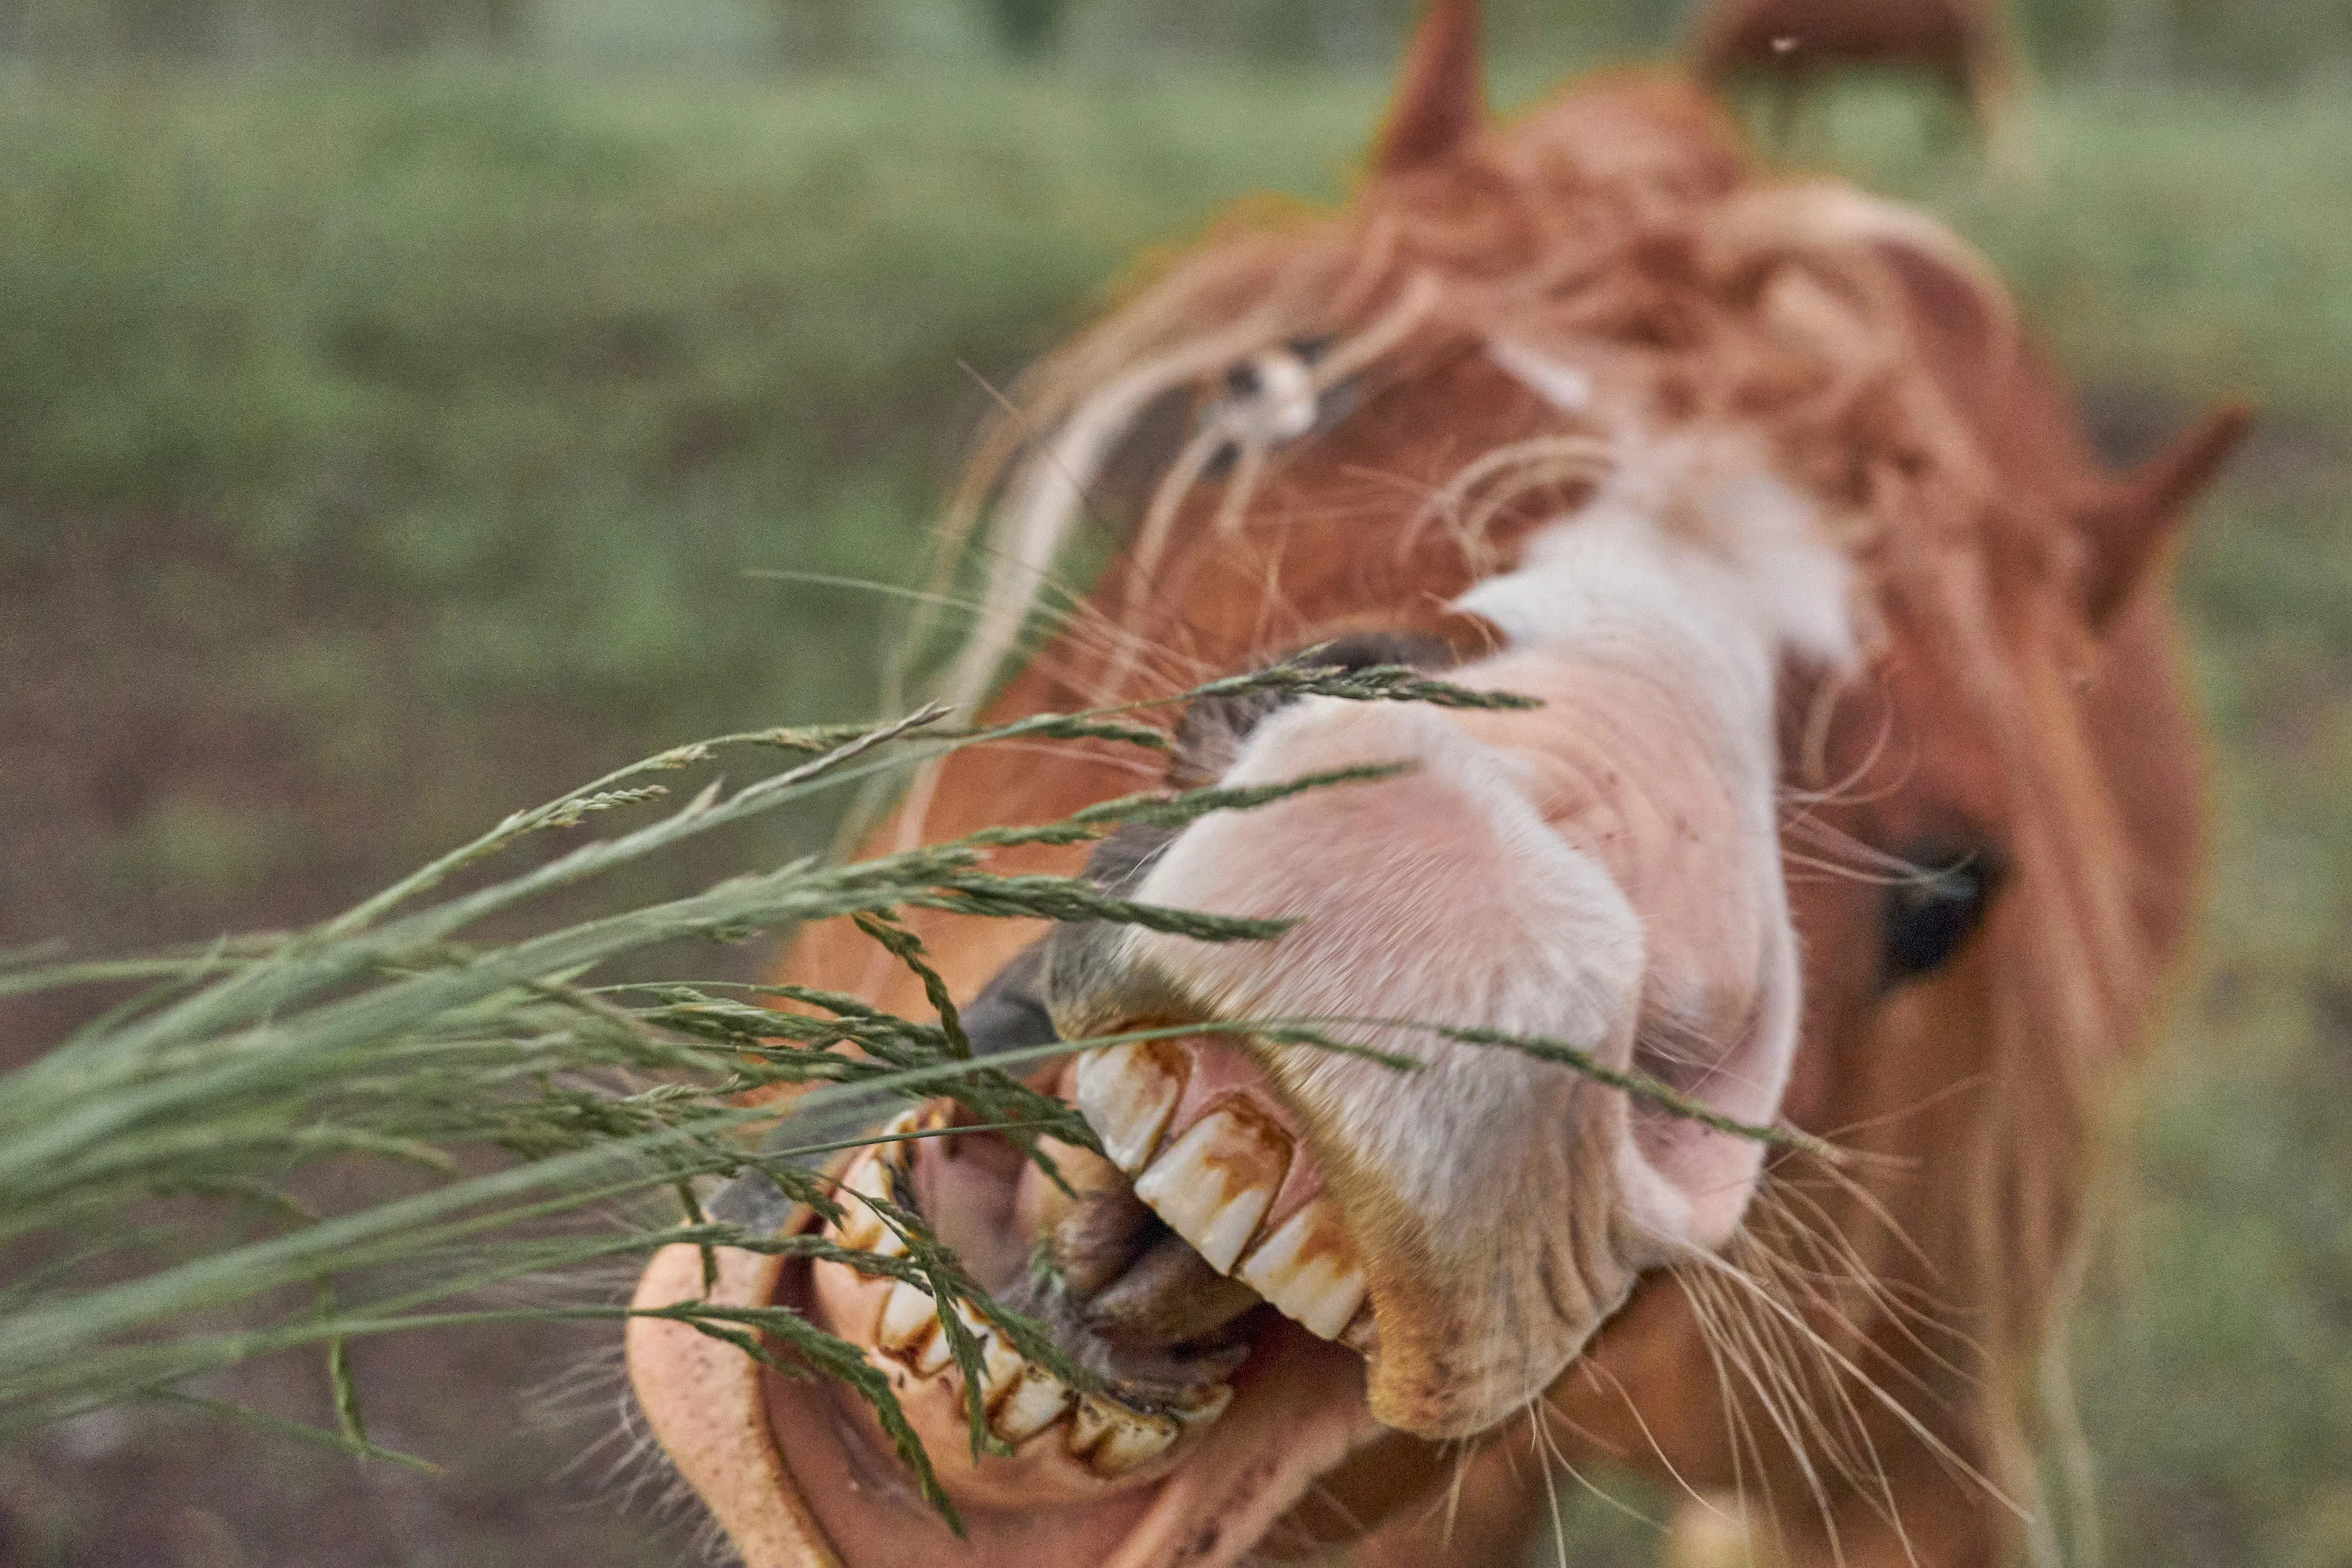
1861,799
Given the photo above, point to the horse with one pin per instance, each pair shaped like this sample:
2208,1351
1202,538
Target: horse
1965,46
1861,799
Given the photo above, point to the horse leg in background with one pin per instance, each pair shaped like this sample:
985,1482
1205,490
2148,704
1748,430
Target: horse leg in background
1786,118
1710,1531
2003,114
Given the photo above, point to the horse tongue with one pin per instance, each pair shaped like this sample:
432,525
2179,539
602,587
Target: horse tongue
1169,1297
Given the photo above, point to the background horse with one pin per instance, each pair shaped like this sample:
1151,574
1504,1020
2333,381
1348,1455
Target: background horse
1863,799
1965,46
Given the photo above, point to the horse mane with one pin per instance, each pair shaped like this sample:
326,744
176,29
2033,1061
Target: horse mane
1623,220
1869,359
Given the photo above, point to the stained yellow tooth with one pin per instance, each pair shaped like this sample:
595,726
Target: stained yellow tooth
910,1316
1214,1184
867,1177
1325,1313
1114,1440
936,1355
1363,1333
1000,1363
1204,1407
1033,1403
1129,1447
862,1229
897,1139
892,1145
1306,1268
1127,1094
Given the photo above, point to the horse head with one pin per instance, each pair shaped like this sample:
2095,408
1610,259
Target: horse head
1859,799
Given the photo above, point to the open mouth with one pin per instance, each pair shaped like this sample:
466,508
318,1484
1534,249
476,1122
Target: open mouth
1177,1270
1200,1275
1268,1250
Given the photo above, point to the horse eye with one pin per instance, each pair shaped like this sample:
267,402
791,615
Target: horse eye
1270,398
1930,915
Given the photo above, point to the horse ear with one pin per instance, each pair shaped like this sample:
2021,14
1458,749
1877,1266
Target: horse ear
1441,98
2130,522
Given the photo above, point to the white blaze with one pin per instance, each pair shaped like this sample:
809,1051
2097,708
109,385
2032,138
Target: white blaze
1567,874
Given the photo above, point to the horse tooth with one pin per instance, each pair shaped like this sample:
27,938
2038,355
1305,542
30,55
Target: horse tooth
936,1356
1215,1182
1034,1402
862,1229
1363,1333
1204,1408
891,1155
1000,1364
910,1318
891,1144
1113,1439
867,1177
1307,1269
1091,1179
1127,1093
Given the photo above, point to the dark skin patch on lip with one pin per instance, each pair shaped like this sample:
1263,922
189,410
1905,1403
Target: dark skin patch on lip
1210,734
1010,1014
1145,1365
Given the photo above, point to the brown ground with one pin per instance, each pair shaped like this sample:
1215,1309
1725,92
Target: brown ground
167,775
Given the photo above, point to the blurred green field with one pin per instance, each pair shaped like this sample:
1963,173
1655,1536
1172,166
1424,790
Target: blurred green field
378,454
